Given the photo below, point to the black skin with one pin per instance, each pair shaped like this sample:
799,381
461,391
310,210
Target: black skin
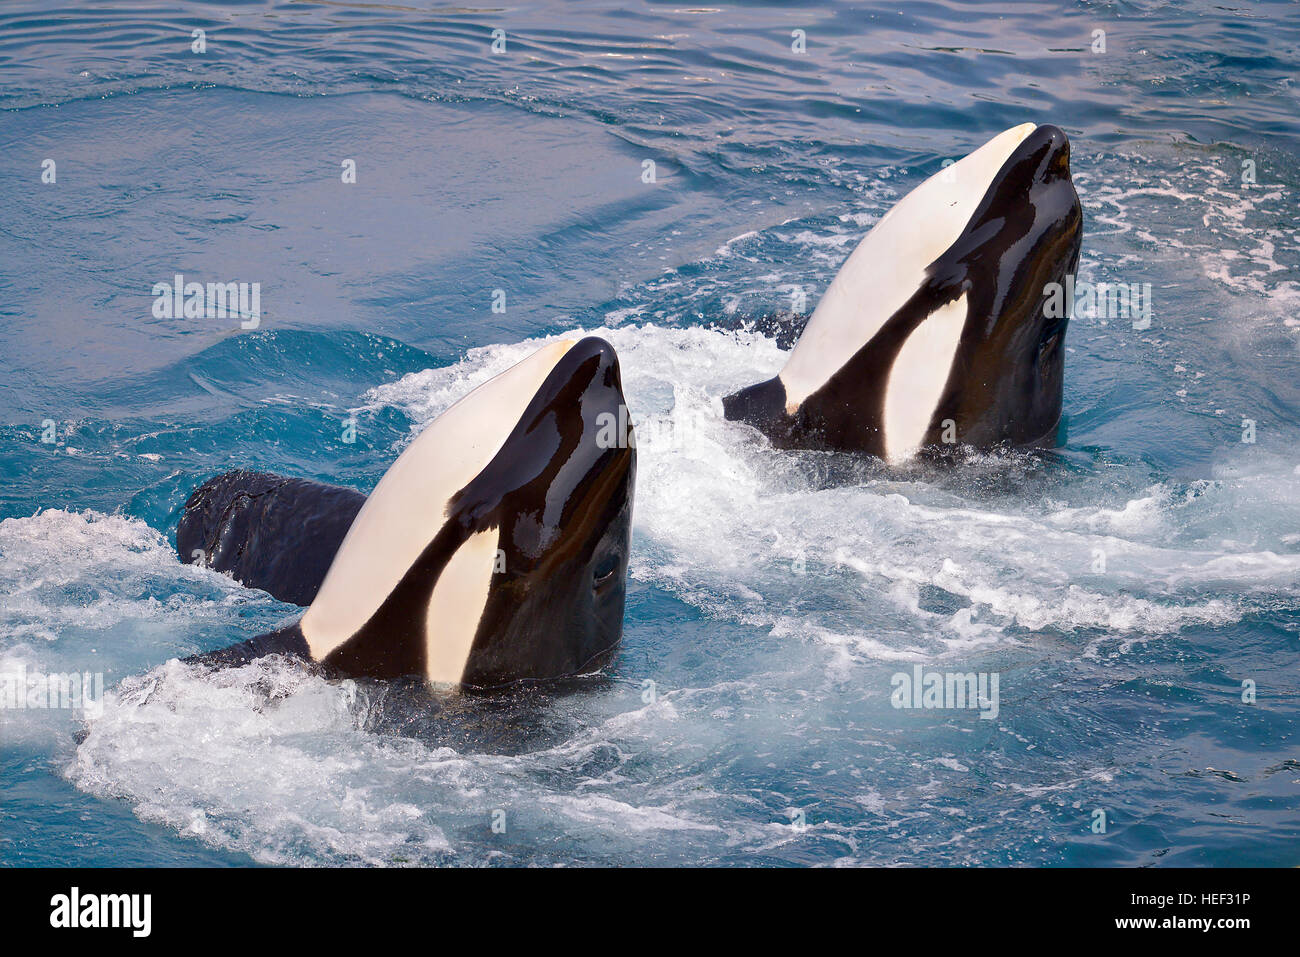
563,503
1006,383
270,532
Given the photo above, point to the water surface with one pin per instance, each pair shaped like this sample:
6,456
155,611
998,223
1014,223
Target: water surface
1123,589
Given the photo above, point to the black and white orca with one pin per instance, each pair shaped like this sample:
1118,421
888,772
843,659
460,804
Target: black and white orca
493,551
933,332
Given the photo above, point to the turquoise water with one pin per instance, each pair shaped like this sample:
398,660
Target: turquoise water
1121,590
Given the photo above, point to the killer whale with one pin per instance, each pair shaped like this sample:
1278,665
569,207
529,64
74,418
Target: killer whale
934,332
493,551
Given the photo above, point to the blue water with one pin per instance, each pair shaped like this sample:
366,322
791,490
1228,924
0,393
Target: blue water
1122,590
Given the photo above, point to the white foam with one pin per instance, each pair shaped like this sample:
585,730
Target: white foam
273,761
86,570
896,567
725,523
265,759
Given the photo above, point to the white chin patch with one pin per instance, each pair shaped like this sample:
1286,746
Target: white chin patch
918,377
457,606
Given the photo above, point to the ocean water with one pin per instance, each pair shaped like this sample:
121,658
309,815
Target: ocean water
1127,591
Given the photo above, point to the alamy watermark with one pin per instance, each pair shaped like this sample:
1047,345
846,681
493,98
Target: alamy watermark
1102,300
83,691
649,432
214,300
946,690
133,912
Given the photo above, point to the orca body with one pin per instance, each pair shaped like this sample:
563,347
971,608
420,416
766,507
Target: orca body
493,551
933,333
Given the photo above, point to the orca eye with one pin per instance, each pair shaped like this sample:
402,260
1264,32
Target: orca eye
605,569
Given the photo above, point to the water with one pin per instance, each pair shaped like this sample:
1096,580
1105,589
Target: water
1122,589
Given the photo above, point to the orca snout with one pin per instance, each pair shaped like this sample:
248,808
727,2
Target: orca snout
592,380
560,492
596,359
1050,147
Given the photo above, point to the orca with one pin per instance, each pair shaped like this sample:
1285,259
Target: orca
934,333
493,551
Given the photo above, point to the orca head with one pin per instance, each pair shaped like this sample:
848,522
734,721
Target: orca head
934,332
495,548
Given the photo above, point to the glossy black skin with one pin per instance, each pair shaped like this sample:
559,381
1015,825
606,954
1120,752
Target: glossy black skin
566,530
267,531
1006,383
563,503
